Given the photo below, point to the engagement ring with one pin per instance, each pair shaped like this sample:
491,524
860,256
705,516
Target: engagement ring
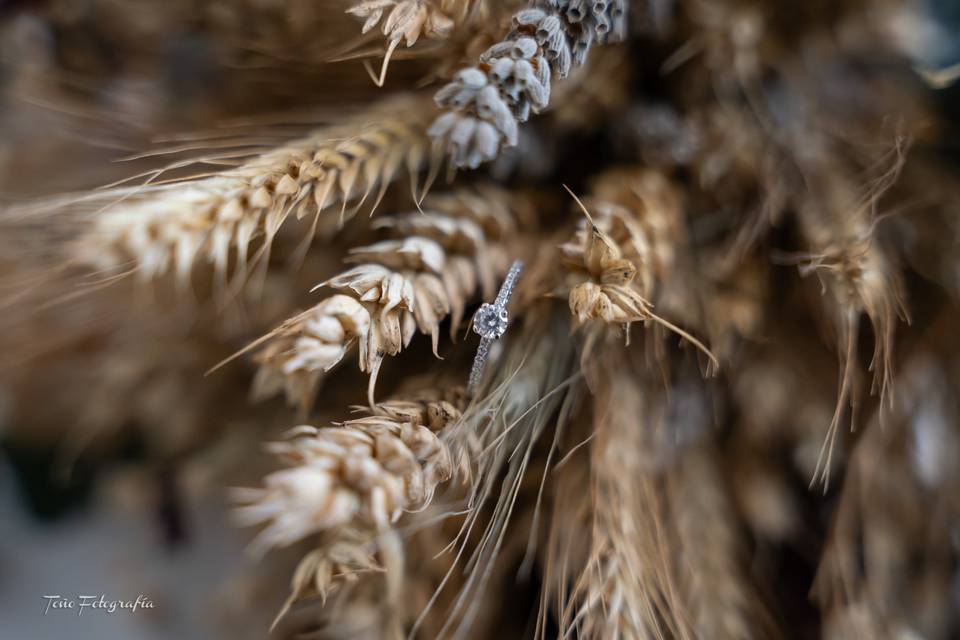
490,323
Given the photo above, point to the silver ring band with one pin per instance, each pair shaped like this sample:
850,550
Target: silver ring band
490,323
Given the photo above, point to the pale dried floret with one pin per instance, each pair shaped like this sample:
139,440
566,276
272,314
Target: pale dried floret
310,347
406,22
470,141
416,253
295,502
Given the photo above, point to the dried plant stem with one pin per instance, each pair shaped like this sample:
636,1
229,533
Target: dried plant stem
515,407
721,600
627,587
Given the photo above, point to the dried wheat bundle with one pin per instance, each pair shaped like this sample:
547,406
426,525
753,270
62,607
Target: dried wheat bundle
230,219
485,104
442,260
609,485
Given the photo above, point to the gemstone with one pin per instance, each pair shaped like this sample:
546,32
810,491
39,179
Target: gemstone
490,321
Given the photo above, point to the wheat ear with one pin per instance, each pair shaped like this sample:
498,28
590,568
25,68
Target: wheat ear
614,264
627,587
859,278
231,218
350,483
442,259
484,105
360,475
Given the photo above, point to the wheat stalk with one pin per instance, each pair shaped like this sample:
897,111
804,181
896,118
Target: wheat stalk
484,105
710,561
627,587
230,219
884,554
513,411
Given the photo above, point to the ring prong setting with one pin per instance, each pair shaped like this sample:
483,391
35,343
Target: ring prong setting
491,321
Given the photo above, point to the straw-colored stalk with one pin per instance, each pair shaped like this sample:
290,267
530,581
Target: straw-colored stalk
627,587
711,561
885,569
511,419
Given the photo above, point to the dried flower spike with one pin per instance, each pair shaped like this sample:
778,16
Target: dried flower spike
485,104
